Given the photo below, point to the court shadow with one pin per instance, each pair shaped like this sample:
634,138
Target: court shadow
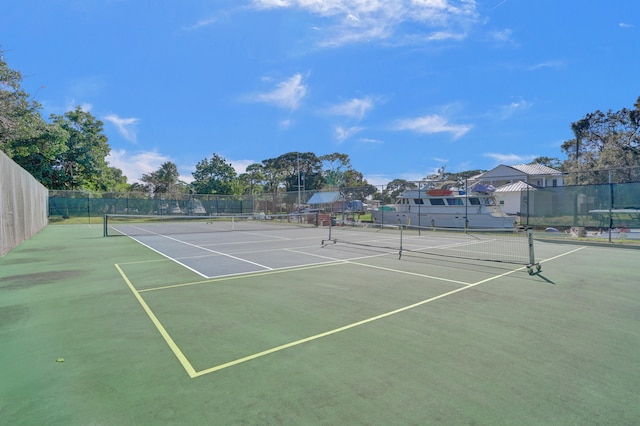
539,274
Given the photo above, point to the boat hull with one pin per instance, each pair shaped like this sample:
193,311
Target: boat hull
443,220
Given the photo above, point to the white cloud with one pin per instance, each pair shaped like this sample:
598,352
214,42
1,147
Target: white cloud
87,87
509,159
433,124
446,35
502,37
506,111
134,165
240,166
126,126
287,94
270,4
285,124
625,25
354,108
380,180
362,21
370,140
548,64
72,105
499,4
342,133
200,24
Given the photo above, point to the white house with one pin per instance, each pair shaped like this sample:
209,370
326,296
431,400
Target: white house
511,181
509,196
533,174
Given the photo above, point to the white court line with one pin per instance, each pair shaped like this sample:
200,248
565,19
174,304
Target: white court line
232,243
195,271
194,374
398,271
198,247
216,252
358,323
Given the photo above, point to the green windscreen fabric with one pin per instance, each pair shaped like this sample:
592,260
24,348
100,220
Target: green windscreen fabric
606,205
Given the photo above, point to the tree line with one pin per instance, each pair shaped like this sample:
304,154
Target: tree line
69,151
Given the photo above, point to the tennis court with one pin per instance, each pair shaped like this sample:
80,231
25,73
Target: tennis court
294,325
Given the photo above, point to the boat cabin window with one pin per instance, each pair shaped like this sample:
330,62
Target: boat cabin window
418,200
437,202
490,202
454,201
474,201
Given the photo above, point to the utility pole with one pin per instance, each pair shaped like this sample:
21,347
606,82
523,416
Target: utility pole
298,182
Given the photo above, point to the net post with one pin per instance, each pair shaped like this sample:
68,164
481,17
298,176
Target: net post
104,225
532,257
400,250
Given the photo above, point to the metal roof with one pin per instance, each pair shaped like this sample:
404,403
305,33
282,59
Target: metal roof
535,169
516,187
324,197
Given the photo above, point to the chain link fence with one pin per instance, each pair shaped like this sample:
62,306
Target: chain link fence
83,204
610,200
75,204
595,205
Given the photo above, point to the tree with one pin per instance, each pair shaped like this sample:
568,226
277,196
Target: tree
282,172
603,141
214,176
355,186
67,153
252,181
83,163
395,188
39,153
19,115
334,168
164,180
301,168
24,135
552,162
113,180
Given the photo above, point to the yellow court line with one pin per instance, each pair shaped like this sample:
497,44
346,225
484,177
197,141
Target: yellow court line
176,350
145,261
365,321
193,374
343,328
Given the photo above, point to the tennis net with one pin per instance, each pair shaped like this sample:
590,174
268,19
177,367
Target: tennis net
137,225
494,245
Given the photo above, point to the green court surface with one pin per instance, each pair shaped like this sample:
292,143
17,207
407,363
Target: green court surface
108,331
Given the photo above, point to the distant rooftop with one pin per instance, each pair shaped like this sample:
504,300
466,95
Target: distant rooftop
325,197
516,187
535,169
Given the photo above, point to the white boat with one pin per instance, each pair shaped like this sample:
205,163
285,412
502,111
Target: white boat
445,208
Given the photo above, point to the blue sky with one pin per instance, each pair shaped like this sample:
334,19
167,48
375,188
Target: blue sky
403,87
